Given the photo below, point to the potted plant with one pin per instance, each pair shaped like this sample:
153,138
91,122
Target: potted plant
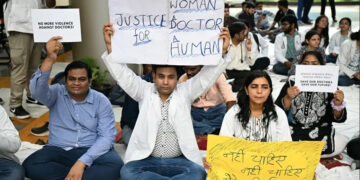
99,78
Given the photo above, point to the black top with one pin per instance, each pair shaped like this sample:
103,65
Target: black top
280,14
245,17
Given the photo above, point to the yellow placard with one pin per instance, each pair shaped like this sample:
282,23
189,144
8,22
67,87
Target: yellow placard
238,159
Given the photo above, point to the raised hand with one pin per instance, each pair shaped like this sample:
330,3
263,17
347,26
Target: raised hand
338,97
108,31
225,35
53,46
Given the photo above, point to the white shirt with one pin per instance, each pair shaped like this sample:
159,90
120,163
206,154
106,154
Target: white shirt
278,130
143,138
241,58
347,51
335,42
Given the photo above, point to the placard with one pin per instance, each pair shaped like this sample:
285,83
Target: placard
56,22
311,78
234,158
178,32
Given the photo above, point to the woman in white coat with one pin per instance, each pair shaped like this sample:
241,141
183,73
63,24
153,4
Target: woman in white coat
338,38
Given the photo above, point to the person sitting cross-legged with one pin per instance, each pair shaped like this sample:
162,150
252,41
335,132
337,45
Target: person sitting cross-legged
163,144
208,110
81,125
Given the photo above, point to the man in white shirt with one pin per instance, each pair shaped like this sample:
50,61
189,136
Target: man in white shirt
163,143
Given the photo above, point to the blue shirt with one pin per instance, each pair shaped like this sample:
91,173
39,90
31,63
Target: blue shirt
72,124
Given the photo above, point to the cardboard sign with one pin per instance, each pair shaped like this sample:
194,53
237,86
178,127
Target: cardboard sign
311,78
234,158
179,32
56,22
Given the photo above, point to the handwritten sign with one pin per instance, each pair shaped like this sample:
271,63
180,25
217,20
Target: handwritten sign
234,158
56,22
317,78
179,32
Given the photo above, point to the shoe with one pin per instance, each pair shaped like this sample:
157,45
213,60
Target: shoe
334,20
307,22
1,101
19,112
41,131
300,23
33,102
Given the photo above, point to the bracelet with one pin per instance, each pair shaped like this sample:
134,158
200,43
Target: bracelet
337,108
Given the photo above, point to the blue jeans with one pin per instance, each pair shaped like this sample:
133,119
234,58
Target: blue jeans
331,59
52,162
300,9
162,168
206,122
11,170
346,81
280,68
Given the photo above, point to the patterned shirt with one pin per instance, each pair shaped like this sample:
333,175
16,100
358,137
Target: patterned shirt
256,130
166,144
354,63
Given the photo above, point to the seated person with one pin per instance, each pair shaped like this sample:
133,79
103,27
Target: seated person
130,109
9,144
283,11
208,110
163,143
311,114
248,15
322,27
241,53
348,61
338,38
353,149
311,43
81,125
286,45
255,116
227,18
262,17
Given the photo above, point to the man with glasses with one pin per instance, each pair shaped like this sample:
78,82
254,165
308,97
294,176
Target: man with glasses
286,45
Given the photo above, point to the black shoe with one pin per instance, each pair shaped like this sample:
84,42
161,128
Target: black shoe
1,101
20,112
33,102
41,131
307,22
334,20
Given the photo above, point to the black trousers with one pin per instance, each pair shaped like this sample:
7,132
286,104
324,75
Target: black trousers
332,5
307,7
353,148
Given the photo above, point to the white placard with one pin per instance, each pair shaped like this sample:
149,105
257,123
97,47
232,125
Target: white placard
179,32
56,22
312,78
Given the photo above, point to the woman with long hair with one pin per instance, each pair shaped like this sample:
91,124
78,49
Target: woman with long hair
322,26
311,114
311,43
255,116
338,38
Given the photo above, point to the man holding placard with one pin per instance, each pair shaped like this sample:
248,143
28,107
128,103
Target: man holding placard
163,143
24,53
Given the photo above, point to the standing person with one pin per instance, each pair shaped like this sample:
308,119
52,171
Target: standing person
287,44
322,26
333,10
338,38
208,110
311,114
227,18
349,61
307,6
300,9
9,144
24,53
163,144
255,117
81,125
311,43
241,53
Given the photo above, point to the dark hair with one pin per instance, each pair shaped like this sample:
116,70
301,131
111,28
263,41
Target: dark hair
345,18
316,54
78,65
236,27
355,36
310,34
243,4
283,3
178,69
244,100
291,19
226,5
258,3
325,32
250,4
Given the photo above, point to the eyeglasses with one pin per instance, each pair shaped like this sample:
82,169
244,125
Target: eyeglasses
285,24
345,23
